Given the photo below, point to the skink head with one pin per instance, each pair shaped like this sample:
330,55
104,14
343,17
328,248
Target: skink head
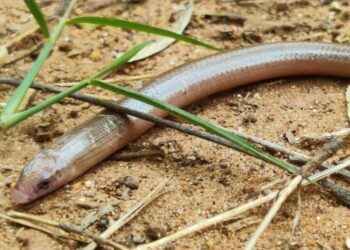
38,178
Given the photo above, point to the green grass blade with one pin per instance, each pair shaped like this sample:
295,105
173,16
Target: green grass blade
122,60
7,121
138,27
38,15
197,121
17,98
11,120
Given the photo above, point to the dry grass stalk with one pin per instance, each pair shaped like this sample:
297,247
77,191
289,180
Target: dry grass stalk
327,151
49,231
23,35
325,137
284,194
130,214
296,219
209,222
232,213
64,226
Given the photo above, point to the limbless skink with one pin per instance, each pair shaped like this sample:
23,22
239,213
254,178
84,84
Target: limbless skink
76,152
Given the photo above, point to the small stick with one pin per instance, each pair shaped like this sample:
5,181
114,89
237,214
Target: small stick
25,54
97,239
23,35
296,218
272,212
64,226
112,80
122,156
328,150
32,217
267,186
223,217
129,215
42,229
322,138
209,222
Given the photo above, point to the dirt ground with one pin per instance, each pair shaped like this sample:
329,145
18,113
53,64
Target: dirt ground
205,179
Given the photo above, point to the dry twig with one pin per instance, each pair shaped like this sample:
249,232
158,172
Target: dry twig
129,155
112,80
42,229
323,154
222,218
272,212
130,214
325,137
25,54
64,226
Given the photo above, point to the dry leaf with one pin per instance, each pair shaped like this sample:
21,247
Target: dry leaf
161,43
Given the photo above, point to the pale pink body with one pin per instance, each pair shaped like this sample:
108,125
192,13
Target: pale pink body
78,151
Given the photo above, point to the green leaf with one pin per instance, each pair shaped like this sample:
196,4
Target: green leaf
161,43
9,120
38,15
246,146
122,59
138,27
17,98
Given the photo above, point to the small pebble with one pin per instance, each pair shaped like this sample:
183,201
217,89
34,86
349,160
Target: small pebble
95,56
103,222
250,118
210,244
65,46
224,181
155,233
137,239
289,136
76,185
281,7
73,114
130,182
89,184
335,6
252,37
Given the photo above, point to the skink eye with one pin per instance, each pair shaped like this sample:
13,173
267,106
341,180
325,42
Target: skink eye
44,184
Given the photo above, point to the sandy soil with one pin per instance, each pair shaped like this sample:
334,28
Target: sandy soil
206,179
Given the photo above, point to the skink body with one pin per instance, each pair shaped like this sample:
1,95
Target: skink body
76,152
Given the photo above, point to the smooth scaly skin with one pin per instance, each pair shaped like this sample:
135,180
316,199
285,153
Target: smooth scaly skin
78,151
